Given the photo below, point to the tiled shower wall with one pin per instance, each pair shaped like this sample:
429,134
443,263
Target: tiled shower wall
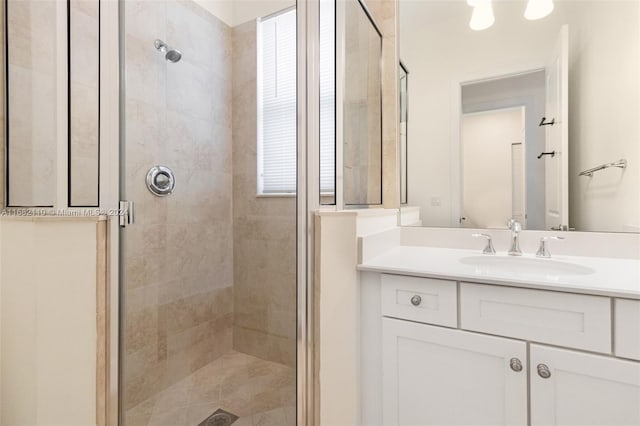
179,254
32,58
264,229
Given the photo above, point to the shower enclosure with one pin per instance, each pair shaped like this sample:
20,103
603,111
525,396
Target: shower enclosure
208,261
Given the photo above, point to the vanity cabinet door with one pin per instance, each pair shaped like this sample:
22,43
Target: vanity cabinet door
573,388
439,376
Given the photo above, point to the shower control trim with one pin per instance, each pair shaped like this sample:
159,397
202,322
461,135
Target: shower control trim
161,181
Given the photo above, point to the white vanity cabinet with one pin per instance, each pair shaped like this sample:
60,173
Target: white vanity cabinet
438,376
512,356
574,388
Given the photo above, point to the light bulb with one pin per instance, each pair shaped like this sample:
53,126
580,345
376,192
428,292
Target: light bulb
537,9
482,16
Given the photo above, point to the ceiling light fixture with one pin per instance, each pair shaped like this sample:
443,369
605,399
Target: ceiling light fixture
482,16
538,9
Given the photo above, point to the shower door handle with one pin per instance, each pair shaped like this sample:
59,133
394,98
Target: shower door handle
125,213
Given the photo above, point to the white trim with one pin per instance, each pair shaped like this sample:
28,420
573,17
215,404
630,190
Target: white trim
277,195
308,13
110,187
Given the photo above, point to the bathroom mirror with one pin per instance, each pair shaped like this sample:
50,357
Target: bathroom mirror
362,107
535,120
51,94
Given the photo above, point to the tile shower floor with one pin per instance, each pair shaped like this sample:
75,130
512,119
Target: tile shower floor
259,392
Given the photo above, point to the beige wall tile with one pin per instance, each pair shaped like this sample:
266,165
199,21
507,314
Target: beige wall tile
180,253
264,228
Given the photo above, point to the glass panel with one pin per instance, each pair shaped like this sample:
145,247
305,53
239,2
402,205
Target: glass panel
362,109
327,101
209,271
32,61
84,102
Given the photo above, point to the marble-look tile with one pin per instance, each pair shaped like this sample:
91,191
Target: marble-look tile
145,70
177,417
84,155
31,35
244,421
273,417
88,7
196,413
84,43
145,19
203,41
264,228
290,415
249,387
137,420
189,90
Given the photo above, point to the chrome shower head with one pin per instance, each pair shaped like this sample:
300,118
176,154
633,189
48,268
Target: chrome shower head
171,55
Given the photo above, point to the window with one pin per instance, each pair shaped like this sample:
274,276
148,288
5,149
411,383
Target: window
277,104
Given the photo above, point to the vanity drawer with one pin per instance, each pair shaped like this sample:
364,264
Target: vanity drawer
573,320
425,300
627,328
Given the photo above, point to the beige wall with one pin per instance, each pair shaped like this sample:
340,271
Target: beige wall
48,321
337,338
264,229
179,255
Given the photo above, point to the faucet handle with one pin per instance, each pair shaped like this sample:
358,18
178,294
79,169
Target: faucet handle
543,251
489,247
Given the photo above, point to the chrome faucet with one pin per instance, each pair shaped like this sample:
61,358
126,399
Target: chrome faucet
515,227
488,249
543,251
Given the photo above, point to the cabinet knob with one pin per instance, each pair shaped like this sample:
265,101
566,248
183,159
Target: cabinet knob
543,371
416,300
516,365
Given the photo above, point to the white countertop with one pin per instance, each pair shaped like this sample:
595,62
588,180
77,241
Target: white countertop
611,277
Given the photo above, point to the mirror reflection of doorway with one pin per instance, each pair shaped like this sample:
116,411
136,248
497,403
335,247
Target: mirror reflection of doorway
493,167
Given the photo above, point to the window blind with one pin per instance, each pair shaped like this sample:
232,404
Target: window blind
277,104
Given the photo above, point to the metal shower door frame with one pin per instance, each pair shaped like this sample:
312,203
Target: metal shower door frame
307,202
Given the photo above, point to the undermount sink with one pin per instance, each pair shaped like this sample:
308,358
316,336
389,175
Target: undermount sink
525,266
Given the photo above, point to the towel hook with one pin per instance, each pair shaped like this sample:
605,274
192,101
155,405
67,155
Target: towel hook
552,154
547,123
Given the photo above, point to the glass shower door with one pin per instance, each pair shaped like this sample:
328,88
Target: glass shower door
208,279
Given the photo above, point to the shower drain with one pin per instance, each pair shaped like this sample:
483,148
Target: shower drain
219,418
